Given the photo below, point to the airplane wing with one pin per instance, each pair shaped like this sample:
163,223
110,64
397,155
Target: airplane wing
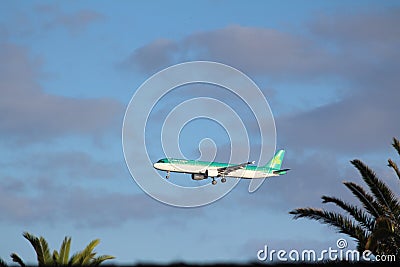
226,170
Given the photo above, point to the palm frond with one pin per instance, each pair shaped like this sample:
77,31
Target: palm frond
394,166
379,189
56,258
36,246
376,226
384,231
366,199
98,260
17,259
87,253
86,257
360,216
3,263
92,245
396,144
47,259
64,250
343,224
74,260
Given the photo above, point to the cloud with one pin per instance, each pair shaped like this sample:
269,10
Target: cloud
259,50
365,27
256,50
43,18
82,207
4,33
364,44
361,123
364,119
346,45
29,114
355,52
74,22
151,58
67,165
46,199
112,209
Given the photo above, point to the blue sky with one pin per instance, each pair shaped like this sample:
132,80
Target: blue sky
69,69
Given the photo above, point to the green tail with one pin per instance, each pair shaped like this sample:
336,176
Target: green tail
276,162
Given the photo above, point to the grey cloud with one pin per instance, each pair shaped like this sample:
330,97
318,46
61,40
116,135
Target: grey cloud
46,200
349,46
10,184
19,206
151,58
363,120
29,114
72,164
362,51
359,49
40,201
4,33
74,22
364,44
257,50
361,123
366,27
48,17
112,209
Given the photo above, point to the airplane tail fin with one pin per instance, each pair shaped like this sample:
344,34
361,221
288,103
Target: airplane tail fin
275,163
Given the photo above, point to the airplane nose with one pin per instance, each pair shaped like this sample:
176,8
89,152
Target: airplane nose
156,166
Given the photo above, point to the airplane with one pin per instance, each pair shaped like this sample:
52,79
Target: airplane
201,170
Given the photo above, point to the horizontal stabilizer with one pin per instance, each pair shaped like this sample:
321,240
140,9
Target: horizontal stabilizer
280,171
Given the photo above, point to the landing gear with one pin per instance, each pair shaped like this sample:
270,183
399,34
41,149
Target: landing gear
214,182
167,176
223,180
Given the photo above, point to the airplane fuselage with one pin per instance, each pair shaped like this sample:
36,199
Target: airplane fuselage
203,169
211,169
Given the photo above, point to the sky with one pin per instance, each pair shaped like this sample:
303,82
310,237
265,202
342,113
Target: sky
329,70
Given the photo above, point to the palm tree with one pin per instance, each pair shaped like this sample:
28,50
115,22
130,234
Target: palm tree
85,257
374,226
3,263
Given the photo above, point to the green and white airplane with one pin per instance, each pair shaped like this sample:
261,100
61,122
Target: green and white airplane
203,169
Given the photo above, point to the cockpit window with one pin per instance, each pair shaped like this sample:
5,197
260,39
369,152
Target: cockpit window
162,161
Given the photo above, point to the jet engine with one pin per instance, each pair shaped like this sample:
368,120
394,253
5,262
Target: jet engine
208,173
199,176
